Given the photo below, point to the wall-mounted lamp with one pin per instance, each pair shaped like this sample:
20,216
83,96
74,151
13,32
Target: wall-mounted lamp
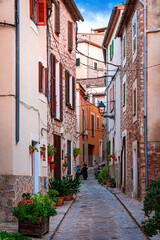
101,109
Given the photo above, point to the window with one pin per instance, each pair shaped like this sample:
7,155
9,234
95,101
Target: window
134,34
83,120
70,36
95,65
124,48
112,50
124,93
134,101
77,62
38,12
43,79
111,95
97,121
92,125
57,18
56,89
70,90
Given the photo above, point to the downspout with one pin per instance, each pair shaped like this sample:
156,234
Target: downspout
145,89
17,68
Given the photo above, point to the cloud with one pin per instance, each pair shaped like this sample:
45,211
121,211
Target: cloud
92,21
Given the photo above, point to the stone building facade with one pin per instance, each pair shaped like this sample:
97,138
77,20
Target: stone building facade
140,159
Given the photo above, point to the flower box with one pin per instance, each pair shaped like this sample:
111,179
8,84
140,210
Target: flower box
34,229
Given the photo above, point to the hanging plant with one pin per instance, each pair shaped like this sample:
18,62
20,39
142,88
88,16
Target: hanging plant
51,152
52,165
32,149
76,152
43,149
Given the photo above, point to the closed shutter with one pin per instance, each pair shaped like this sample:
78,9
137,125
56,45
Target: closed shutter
67,87
53,86
70,36
32,9
40,76
92,127
46,82
112,48
61,93
57,19
41,12
73,92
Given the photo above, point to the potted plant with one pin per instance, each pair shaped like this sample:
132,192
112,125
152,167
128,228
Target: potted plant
43,149
53,194
32,149
12,236
52,165
66,157
76,152
51,152
65,164
33,216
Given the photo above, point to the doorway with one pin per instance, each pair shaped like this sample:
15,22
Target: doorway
69,151
57,157
90,155
135,169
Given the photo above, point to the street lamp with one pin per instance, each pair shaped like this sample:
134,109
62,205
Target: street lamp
101,109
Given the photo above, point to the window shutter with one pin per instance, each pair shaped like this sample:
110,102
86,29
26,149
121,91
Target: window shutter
112,48
53,86
67,87
70,33
32,9
46,82
82,120
57,18
41,12
40,76
73,91
61,93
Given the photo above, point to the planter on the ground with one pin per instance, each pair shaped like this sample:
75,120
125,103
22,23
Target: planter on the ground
69,197
61,200
34,229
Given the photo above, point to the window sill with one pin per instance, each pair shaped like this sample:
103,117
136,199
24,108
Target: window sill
33,26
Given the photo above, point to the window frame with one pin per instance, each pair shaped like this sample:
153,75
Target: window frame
98,122
134,35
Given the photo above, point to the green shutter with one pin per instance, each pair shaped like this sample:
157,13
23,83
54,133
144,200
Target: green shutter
83,152
124,93
112,48
108,147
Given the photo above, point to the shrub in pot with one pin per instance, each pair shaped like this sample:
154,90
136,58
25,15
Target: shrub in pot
66,157
33,216
103,176
51,152
52,165
76,152
64,166
53,194
12,236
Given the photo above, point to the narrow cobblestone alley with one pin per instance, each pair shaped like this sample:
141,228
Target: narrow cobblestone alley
97,215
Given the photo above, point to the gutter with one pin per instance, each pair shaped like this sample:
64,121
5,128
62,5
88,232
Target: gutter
17,69
145,90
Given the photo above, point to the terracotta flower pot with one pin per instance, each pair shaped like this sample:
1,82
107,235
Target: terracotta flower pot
66,159
61,200
41,153
31,150
49,158
63,168
75,156
52,165
68,197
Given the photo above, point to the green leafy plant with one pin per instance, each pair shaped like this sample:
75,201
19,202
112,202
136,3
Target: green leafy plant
53,194
37,209
12,236
77,151
103,176
65,164
59,185
42,148
67,155
26,196
34,148
151,208
51,150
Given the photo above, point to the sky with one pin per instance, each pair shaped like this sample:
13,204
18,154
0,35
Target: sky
96,13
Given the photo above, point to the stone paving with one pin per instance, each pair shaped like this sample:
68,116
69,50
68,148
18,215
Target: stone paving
97,215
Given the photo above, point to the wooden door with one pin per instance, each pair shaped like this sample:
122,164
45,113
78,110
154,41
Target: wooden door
57,157
90,155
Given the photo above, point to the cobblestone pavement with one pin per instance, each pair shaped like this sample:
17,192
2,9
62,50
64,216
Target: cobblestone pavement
97,215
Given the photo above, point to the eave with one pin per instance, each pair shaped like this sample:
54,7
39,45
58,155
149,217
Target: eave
73,10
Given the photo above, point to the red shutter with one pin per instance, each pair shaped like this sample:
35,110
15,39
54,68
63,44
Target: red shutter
32,9
53,86
41,12
73,96
67,87
46,82
70,36
61,93
40,77
57,18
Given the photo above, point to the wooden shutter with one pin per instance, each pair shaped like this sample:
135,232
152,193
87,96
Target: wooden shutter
70,36
40,77
67,87
73,92
41,12
57,18
53,86
46,82
32,9
61,93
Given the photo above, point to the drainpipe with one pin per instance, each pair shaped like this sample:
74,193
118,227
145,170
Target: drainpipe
145,89
17,68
